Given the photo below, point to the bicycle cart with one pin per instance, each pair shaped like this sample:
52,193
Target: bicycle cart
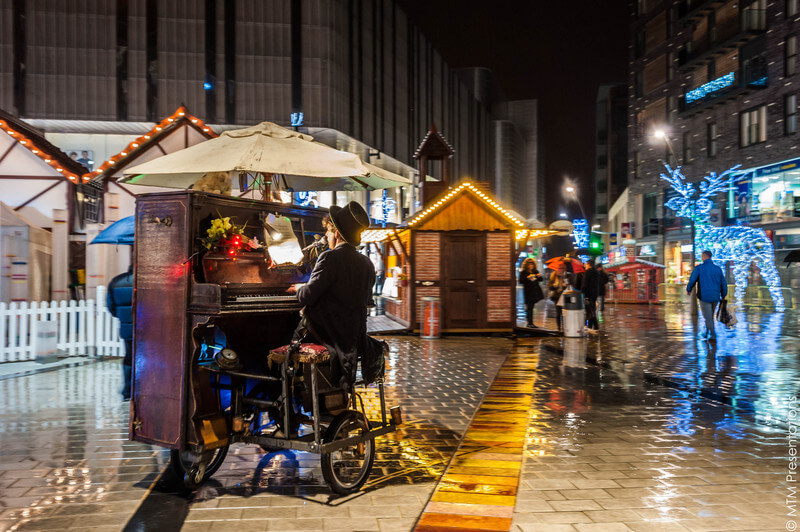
213,362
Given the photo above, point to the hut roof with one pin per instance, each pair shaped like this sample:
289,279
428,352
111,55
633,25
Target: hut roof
35,142
434,145
478,198
181,117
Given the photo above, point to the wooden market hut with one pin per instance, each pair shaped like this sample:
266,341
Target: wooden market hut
634,281
39,182
178,131
459,248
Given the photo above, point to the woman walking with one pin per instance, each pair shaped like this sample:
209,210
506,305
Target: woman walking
556,286
529,278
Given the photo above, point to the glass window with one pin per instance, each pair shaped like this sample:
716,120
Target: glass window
790,114
712,139
790,59
773,195
687,148
637,165
753,126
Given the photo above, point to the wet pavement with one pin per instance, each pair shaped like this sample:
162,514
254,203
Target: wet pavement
640,427
66,462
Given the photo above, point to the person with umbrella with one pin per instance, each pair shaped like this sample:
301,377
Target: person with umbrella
529,278
119,298
119,301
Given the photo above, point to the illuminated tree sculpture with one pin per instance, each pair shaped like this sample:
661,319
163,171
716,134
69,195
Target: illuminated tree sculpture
580,235
580,232
738,244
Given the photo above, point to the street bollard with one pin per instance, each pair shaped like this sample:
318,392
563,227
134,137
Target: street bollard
573,314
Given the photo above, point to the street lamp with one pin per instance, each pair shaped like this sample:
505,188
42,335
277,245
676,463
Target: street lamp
661,134
572,193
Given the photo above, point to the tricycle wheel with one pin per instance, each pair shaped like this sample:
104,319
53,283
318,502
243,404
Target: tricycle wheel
193,469
345,470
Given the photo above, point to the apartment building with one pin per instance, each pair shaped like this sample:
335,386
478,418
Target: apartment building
714,84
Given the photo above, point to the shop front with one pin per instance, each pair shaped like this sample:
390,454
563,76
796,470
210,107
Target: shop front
769,197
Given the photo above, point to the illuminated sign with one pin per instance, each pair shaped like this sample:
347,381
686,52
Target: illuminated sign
647,250
296,119
712,86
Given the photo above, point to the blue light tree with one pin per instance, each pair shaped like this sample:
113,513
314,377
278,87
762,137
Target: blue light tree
738,244
580,235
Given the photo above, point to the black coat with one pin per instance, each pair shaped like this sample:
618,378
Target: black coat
531,288
336,298
603,282
590,284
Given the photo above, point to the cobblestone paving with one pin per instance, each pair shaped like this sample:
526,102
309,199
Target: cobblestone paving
65,462
606,450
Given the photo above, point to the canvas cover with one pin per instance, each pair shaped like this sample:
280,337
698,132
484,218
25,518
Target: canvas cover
26,253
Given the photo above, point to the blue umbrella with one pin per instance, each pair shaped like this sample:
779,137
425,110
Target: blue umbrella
120,232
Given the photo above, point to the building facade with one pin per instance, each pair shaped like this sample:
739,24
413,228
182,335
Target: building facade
357,74
611,152
714,84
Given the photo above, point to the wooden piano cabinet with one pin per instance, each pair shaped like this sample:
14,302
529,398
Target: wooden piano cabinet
170,393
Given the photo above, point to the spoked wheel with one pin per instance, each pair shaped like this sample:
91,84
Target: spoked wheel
193,469
345,470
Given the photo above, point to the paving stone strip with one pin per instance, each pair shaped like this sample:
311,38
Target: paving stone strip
479,488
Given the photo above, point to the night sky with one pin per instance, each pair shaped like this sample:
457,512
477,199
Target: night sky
558,52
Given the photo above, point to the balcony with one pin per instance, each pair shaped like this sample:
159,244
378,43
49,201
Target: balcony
689,10
753,77
724,37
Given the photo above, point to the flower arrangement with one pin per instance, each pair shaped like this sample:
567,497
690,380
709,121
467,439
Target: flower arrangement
225,234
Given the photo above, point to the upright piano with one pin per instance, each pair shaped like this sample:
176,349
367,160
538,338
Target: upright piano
179,306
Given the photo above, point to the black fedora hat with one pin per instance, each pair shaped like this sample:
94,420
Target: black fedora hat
350,220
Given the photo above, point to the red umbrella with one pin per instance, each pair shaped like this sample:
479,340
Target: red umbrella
560,263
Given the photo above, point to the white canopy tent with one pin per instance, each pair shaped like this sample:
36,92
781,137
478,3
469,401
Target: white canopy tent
26,252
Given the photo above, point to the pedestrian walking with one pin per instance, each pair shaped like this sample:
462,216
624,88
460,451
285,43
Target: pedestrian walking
558,283
603,278
590,288
529,278
119,301
711,288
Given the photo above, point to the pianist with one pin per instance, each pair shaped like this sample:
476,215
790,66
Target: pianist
337,295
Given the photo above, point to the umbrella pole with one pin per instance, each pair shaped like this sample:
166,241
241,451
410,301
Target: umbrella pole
266,181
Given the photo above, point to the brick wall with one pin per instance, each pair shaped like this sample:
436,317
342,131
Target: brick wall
427,256
498,256
498,299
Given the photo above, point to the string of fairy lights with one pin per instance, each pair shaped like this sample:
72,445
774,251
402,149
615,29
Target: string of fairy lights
435,206
51,160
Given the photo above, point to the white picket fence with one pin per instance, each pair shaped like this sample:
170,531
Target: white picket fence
84,328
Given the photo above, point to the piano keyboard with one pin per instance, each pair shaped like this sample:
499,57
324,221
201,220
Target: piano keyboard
262,298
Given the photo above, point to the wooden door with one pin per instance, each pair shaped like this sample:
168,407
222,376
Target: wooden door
464,281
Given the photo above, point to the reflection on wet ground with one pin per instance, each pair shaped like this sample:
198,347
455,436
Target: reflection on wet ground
608,448
66,462
641,427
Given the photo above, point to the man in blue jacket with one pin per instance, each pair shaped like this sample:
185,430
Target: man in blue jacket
711,288
119,301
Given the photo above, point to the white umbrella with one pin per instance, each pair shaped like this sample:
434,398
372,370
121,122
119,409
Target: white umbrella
267,148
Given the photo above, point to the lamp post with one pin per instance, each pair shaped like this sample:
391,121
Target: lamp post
660,133
572,193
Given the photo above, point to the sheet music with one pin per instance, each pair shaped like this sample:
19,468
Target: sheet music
282,243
